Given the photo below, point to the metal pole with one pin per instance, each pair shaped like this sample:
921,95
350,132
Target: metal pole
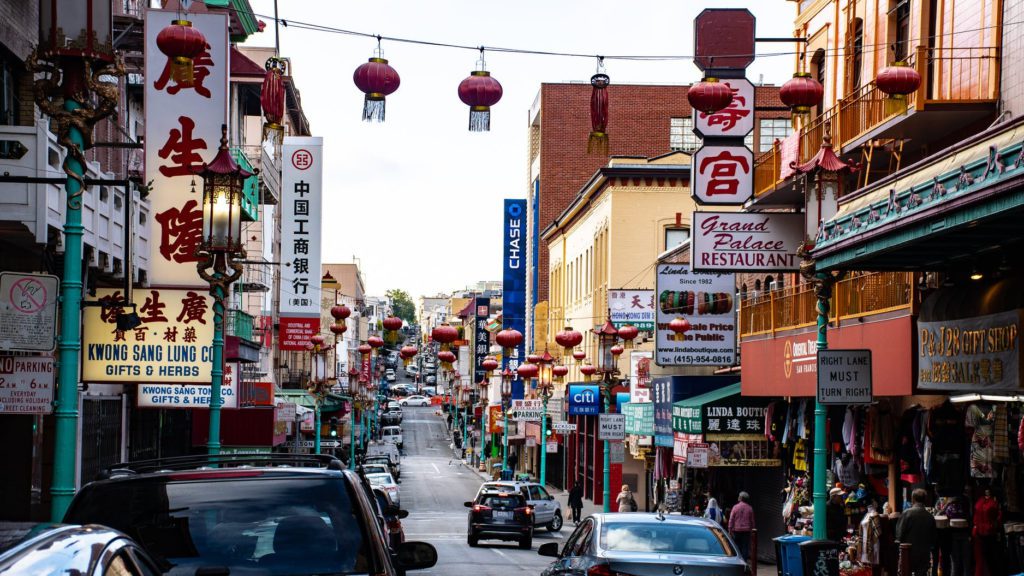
544,442
504,438
352,434
606,478
66,405
823,292
217,371
298,427
316,433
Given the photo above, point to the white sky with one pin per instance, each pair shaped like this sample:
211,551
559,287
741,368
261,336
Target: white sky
418,199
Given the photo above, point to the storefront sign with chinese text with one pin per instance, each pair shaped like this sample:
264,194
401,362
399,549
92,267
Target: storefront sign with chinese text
735,120
734,418
639,418
634,307
706,300
982,353
183,131
529,410
723,174
26,384
661,397
746,242
173,344
482,338
301,205
686,419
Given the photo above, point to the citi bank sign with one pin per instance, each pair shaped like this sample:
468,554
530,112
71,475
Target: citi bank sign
584,400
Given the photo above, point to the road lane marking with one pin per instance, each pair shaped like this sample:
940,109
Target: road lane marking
436,469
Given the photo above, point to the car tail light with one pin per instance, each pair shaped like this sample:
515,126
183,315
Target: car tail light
481,508
602,570
525,510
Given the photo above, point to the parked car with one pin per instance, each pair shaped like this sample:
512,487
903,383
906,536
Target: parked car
497,515
431,379
547,511
394,466
392,516
391,416
412,370
375,468
32,548
385,482
312,517
416,400
645,544
392,434
428,391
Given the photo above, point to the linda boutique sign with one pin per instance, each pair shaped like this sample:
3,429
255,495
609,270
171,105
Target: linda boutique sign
970,354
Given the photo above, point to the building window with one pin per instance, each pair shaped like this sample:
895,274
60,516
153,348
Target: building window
681,136
772,129
8,93
901,45
858,51
676,236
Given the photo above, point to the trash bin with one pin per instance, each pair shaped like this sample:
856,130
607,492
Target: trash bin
787,554
820,558
508,474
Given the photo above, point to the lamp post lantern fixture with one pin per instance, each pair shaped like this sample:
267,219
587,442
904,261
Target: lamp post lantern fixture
608,350
219,252
506,398
318,384
545,387
75,51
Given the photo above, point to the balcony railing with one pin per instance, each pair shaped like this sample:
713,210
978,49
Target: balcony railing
767,170
853,297
238,323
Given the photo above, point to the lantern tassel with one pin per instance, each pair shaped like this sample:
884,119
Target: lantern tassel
182,70
373,108
598,143
480,119
895,104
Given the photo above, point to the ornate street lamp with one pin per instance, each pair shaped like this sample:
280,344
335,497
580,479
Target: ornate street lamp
608,350
506,399
219,251
317,385
75,50
545,387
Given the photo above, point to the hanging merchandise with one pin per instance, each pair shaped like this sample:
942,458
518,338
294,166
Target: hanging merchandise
598,141
377,79
272,96
480,91
181,43
980,421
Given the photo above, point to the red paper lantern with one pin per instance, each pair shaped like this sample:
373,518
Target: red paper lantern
568,339
392,323
579,355
365,349
597,143
490,364
588,370
375,341
480,91
801,93
272,95
377,80
446,356
340,312
897,81
509,338
679,326
407,353
316,340
445,334
628,332
338,329
559,371
617,350
180,42
709,96
528,370
534,358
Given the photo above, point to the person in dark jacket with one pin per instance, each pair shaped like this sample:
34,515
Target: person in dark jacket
576,502
917,528
835,516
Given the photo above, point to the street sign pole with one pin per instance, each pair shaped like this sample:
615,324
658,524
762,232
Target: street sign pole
544,443
823,294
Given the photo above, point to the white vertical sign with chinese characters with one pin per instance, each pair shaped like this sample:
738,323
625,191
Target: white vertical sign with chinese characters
634,307
183,130
723,174
301,204
735,120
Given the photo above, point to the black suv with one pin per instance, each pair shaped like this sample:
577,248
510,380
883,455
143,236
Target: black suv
500,516
251,514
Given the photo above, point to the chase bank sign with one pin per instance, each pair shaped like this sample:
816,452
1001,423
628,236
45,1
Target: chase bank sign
584,400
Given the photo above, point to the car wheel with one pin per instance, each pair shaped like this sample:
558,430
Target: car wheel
526,543
556,523
473,540
404,403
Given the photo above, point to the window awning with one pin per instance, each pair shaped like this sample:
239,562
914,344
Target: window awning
686,414
332,402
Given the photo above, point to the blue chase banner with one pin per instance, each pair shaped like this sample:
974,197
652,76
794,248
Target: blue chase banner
513,284
584,400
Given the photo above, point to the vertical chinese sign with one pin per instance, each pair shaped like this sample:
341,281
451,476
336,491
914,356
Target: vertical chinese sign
482,338
513,283
302,199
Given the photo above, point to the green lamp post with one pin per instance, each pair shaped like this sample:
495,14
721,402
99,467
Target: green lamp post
219,253
506,399
545,387
318,384
75,50
607,359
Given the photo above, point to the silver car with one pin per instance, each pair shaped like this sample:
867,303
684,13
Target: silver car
644,544
547,512
27,548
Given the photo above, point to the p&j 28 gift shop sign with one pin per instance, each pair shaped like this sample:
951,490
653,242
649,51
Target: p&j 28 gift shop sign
173,344
977,354
746,242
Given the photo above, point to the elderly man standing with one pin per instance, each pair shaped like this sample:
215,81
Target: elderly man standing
741,524
917,528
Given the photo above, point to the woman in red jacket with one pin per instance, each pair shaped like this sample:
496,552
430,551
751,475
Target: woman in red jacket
988,518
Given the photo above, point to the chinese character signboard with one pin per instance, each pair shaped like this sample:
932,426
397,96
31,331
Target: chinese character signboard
735,418
723,174
301,203
173,344
746,242
26,384
183,131
495,420
584,400
28,312
634,307
661,397
735,120
482,338
706,300
191,395
639,418
513,284
979,354
686,418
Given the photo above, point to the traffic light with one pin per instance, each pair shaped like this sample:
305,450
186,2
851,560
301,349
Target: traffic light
334,426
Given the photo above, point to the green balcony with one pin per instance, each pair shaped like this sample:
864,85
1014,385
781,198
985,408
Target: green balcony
251,189
238,323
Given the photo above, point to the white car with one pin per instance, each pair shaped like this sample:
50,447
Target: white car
416,400
384,481
392,435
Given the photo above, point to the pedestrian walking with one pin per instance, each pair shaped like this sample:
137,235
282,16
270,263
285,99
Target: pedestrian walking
625,500
917,528
576,502
987,519
835,516
741,524
713,511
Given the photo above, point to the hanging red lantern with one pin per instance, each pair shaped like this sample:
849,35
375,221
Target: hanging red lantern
628,332
509,338
568,339
447,358
617,350
897,81
559,371
365,349
579,355
375,341
709,96
181,43
340,312
407,353
338,329
445,334
588,370
534,358
490,364
679,326
597,143
272,95
377,79
480,91
392,324
528,370
316,340
801,93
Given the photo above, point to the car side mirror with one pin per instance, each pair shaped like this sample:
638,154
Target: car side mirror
402,514
467,504
550,497
415,555
548,549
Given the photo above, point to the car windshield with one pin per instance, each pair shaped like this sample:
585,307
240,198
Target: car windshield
375,469
250,525
382,478
502,501
665,538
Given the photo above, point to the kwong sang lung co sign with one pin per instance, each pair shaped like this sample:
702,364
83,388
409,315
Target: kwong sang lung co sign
746,242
